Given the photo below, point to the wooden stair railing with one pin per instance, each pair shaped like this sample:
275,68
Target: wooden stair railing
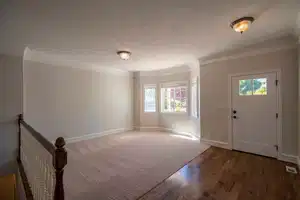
59,155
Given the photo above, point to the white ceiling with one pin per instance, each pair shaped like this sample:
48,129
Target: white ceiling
159,33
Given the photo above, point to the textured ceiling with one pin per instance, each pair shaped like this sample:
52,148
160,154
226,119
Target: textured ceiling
160,34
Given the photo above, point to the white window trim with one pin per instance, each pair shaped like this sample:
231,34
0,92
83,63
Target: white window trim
174,84
143,97
193,81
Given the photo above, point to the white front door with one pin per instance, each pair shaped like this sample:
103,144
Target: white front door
254,109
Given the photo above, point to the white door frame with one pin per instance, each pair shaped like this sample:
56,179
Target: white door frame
279,107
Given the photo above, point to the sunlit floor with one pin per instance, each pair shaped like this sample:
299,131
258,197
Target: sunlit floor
220,174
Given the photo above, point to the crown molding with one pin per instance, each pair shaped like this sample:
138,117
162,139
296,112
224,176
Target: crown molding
166,72
162,74
41,57
254,52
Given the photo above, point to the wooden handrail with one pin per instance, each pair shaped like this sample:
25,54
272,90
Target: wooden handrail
20,117
39,137
27,189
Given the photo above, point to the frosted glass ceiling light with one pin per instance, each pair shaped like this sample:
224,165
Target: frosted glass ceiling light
241,25
124,55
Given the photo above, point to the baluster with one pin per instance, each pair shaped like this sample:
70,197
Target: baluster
59,162
20,118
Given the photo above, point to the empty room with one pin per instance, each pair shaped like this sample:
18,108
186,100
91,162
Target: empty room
149,100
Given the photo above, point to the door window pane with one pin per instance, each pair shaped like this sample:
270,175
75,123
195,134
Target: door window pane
250,87
245,87
260,86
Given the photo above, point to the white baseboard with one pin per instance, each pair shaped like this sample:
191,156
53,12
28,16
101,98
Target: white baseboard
167,130
149,128
215,143
96,135
163,129
288,158
120,130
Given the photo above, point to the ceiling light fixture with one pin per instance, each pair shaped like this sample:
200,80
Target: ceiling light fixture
241,25
125,55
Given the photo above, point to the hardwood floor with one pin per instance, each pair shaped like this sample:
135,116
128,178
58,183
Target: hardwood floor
220,174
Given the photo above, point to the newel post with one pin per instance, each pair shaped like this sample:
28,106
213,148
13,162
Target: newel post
20,118
59,162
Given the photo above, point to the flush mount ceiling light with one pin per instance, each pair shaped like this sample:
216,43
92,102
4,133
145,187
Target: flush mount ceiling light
124,55
241,25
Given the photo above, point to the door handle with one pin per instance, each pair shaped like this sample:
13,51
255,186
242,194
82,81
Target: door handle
234,111
234,117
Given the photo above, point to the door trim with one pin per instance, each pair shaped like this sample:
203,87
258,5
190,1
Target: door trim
279,107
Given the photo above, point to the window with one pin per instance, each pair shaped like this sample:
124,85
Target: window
174,98
253,87
245,87
149,98
194,98
260,86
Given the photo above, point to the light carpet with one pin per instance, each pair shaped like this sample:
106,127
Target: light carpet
125,166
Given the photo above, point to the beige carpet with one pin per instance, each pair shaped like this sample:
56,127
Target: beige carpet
124,166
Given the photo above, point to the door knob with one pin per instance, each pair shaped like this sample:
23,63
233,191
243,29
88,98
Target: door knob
234,117
234,111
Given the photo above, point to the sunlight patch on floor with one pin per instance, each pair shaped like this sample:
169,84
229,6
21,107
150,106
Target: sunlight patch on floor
187,137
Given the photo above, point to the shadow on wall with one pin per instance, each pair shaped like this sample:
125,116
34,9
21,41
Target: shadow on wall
8,147
9,167
182,125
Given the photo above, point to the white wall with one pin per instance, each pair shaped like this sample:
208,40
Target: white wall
180,122
214,90
69,102
10,107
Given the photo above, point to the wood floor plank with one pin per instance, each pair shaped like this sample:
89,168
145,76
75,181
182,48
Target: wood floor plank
220,174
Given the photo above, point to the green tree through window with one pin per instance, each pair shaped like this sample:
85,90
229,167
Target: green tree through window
246,87
253,86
